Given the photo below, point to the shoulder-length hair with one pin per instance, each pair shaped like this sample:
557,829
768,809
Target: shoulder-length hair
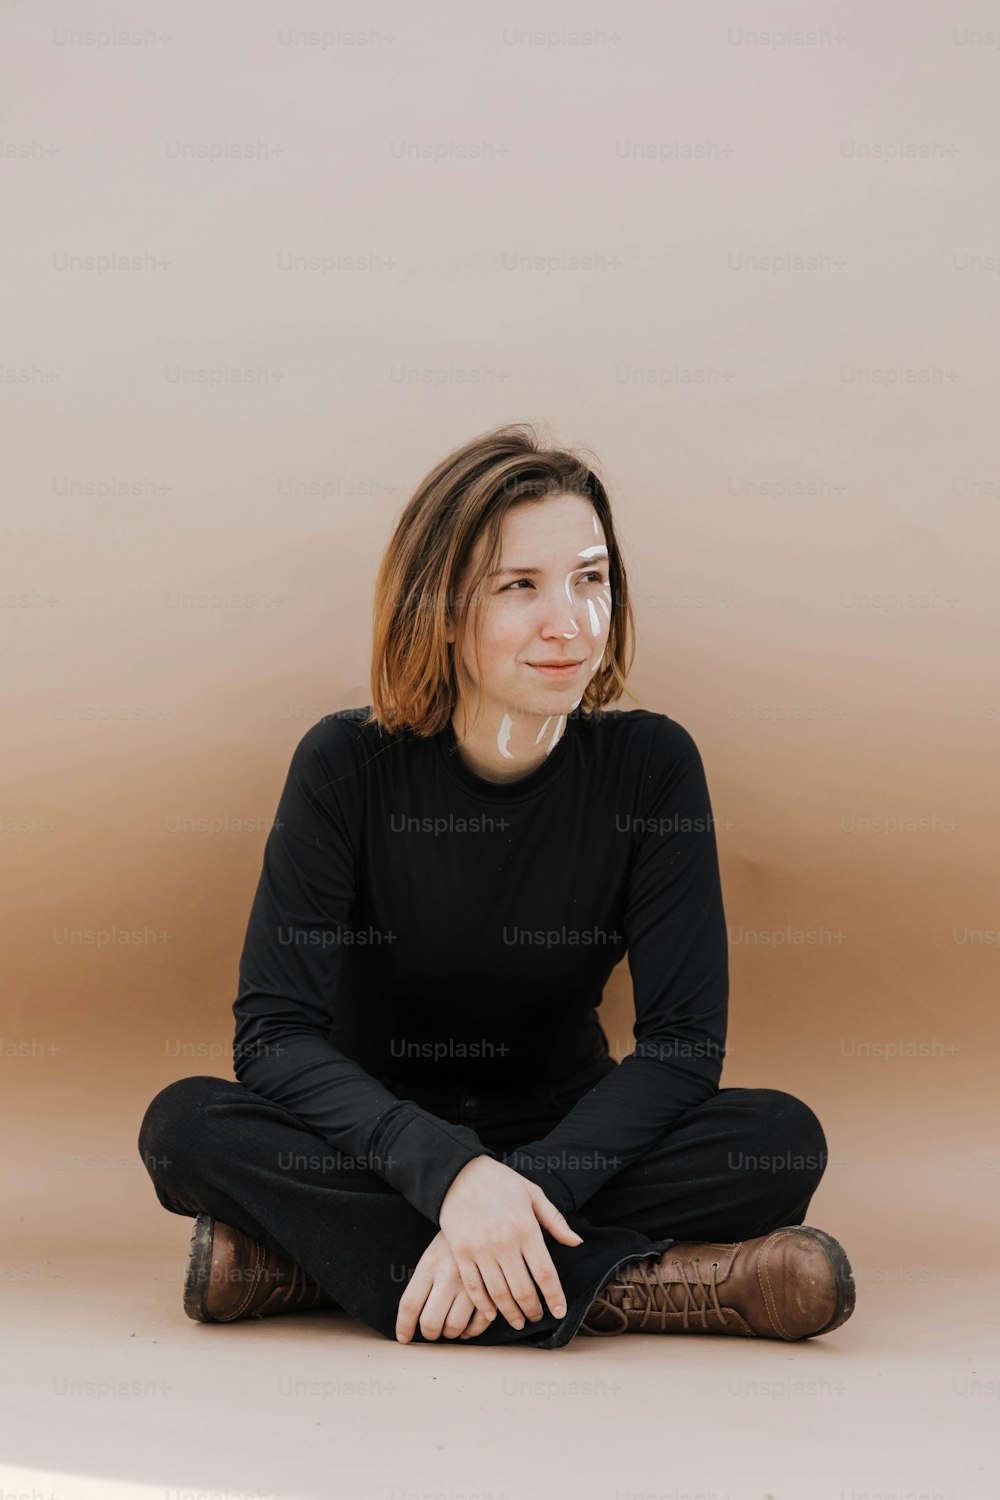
466,495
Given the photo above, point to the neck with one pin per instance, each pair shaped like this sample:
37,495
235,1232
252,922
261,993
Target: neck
506,745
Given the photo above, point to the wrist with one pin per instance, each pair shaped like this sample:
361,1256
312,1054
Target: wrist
537,1169
462,1174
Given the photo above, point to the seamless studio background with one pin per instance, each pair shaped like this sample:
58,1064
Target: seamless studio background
264,267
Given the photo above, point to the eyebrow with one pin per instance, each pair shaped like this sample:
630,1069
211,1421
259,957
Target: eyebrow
591,562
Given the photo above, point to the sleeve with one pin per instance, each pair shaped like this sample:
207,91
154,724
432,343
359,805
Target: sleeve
288,980
678,957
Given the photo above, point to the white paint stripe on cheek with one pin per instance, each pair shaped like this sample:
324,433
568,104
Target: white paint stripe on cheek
555,733
569,596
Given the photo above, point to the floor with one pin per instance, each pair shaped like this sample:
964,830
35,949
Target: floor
110,1391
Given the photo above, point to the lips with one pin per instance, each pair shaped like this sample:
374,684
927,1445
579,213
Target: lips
563,668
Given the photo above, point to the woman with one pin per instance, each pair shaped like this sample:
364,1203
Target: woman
426,1128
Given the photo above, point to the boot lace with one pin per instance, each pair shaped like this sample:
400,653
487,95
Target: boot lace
299,1286
656,1297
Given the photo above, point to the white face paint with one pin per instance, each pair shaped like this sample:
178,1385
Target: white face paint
526,617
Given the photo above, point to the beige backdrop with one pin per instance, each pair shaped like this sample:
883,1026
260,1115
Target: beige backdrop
262,272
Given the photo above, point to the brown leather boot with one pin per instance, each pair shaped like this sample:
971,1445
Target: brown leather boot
231,1276
793,1283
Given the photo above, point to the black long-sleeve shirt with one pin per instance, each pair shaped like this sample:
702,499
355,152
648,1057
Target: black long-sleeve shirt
416,924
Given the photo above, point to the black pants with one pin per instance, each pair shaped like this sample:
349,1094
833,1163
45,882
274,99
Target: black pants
745,1162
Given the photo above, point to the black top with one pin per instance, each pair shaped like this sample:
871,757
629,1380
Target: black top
416,926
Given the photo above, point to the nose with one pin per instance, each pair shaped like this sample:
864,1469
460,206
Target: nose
562,616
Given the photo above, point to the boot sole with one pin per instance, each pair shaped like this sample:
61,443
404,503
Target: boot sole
199,1269
843,1276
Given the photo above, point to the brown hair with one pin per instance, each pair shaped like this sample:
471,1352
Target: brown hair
468,493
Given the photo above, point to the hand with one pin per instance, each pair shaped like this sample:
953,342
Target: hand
436,1296
493,1218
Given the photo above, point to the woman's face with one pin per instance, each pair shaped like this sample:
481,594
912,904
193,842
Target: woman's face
549,601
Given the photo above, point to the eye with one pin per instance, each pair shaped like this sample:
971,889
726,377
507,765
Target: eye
593,577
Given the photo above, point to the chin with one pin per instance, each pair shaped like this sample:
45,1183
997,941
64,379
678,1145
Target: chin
556,700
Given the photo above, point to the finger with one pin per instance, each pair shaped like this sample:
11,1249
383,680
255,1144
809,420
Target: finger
410,1305
459,1315
542,1269
523,1289
475,1286
435,1310
477,1325
556,1223
406,1319
498,1288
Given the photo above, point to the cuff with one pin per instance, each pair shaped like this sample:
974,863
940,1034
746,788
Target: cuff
424,1156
